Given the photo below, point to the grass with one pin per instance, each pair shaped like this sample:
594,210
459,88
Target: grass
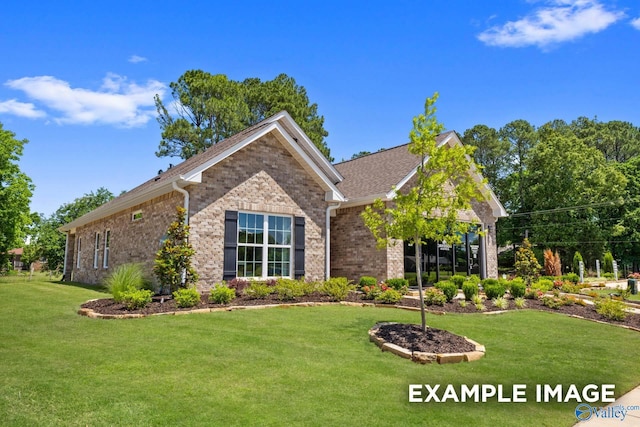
296,366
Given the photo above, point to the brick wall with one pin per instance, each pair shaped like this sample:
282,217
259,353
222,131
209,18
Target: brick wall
130,241
262,178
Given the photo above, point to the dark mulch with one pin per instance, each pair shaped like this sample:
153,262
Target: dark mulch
434,340
588,312
167,304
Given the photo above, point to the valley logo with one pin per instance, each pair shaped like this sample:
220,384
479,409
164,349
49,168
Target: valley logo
585,412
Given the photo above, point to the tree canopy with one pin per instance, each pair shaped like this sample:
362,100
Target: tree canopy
16,189
208,108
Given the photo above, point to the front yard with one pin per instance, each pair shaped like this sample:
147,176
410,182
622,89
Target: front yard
294,366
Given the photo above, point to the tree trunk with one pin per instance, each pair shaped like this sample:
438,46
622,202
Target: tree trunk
419,281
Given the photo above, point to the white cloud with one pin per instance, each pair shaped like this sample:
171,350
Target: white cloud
22,109
560,21
136,58
636,23
118,102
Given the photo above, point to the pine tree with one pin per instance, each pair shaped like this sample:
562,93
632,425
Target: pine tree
527,265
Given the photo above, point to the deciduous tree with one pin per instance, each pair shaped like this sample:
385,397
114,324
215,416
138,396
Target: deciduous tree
429,210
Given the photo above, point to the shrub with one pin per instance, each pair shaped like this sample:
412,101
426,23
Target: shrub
462,303
517,288
552,265
458,280
480,306
611,309
501,302
571,277
477,299
289,289
371,292
221,294
531,293
575,265
434,296
551,302
607,263
390,296
473,279
527,265
125,277
400,285
134,299
337,287
490,282
258,290
449,289
469,289
520,302
608,275
186,297
367,281
544,285
492,291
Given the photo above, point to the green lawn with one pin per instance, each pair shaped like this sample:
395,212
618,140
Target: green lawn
608,291
296,366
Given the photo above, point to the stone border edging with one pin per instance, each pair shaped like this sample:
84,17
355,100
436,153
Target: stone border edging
424,357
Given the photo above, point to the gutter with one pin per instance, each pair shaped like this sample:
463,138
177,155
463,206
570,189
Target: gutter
186,198
327,255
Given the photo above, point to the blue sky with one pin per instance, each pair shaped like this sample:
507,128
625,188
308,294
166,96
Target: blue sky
78,80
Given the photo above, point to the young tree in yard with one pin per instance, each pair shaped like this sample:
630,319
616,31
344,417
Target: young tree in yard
15,194
527,265
429,210
173,261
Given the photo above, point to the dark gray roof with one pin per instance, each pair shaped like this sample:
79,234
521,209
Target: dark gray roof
375,174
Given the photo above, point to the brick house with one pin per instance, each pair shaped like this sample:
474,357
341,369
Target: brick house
262,203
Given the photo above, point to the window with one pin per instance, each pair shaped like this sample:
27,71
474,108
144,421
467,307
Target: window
260,253
137,215
96,251
107,242
79,252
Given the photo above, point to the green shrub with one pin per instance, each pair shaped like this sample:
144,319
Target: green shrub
371,292
186,297
400,285
607,263
134,299
221,294
480,306
434,296
520,302
337,287
490,282
469,289
477,299
367,281
501,303
545,285
449,289
531,293
517,289
608,275
125,277
473,279
492,291
462,303
458,280
390,296
611,309
575,265
289,289
258,290
571,277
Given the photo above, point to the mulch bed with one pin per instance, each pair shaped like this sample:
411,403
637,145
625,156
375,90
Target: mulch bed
588,312
434,340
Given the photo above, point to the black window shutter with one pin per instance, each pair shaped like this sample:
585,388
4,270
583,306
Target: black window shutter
298,261
230,245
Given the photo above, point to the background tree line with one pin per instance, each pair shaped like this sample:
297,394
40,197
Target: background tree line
567,186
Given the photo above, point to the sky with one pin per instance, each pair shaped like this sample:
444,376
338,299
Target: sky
78,78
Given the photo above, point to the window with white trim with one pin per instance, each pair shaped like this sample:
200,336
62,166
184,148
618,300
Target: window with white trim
136,216
96,251
107,242
260,253
79,244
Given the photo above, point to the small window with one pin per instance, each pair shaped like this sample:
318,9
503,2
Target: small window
79,252
136,216
96,251
107,242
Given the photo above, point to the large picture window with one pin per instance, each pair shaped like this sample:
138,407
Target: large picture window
264,245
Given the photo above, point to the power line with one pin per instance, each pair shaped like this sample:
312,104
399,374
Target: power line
569,208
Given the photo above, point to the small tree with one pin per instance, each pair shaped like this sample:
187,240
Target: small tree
429,210
607,263
552,266
527,265
173,261
575,266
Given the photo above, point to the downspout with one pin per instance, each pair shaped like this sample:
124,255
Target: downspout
327,246
66,251
186,198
